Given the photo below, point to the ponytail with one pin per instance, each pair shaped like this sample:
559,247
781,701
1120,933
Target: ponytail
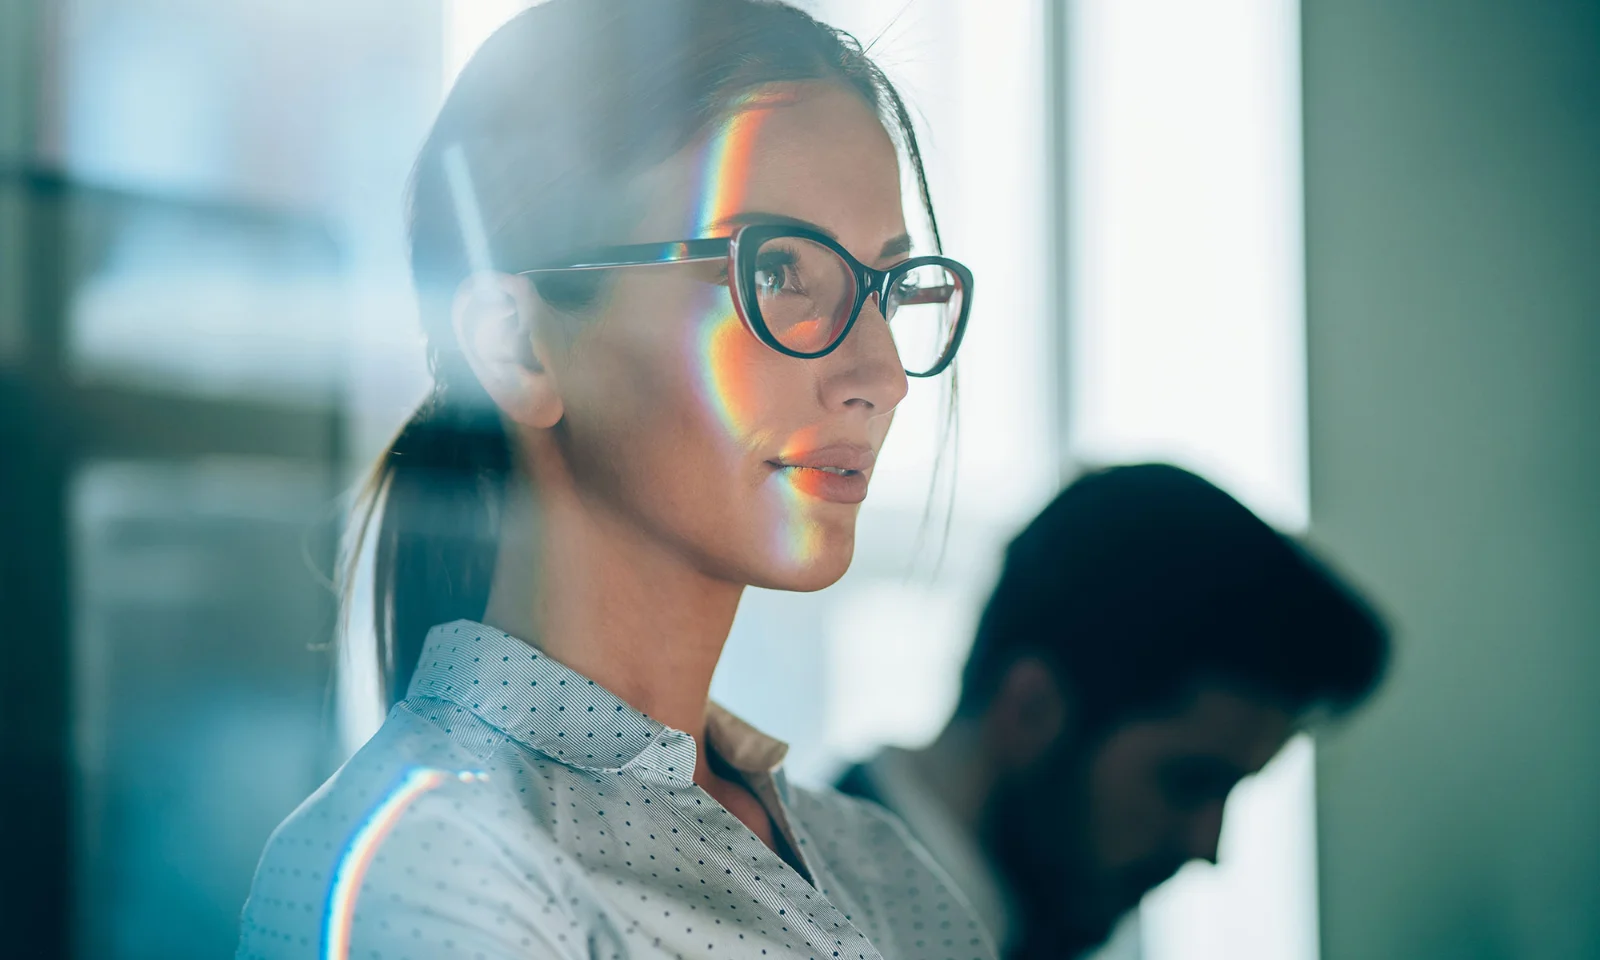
438,493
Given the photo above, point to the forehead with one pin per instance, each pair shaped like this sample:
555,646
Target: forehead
810,151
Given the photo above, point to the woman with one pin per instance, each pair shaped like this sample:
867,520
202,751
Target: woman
663,263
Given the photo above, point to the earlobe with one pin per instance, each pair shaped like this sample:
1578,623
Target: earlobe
494,316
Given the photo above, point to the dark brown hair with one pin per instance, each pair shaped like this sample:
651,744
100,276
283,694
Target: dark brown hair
1138,582
557,111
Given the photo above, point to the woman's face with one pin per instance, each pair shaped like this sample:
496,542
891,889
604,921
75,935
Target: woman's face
682,425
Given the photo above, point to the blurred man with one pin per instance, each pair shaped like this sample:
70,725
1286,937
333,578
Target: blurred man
1150,643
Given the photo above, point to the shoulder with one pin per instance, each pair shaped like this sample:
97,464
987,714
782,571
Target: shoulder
856,781
847,810
863,839
850,808
416,843
888,880
841,824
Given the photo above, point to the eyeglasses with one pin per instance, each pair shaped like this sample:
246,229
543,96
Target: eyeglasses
799,292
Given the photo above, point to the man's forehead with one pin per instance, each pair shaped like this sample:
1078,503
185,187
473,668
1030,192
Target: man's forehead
1230,722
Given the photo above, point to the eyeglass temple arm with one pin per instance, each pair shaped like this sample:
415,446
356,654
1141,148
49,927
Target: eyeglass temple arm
643,255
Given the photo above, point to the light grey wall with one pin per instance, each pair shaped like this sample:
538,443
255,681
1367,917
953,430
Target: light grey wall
1453,221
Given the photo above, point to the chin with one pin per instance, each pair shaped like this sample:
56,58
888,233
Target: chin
811,566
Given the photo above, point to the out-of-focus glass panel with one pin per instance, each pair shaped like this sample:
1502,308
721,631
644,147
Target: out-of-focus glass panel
20,91
13,266
198,699
313,109
201,298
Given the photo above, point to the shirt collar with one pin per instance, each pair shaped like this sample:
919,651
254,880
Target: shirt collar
745,748
536,701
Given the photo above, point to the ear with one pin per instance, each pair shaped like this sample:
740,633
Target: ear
495,319
1029,713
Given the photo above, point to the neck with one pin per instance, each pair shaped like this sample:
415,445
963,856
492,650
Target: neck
594,593
958,773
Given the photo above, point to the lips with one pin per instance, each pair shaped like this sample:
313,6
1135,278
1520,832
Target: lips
837,473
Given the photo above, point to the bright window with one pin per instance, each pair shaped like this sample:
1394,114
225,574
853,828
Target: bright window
1187,344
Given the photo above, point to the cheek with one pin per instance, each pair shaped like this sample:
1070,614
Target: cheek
638,423
673,411
1130,816
745,387
669,367
677,407
727,365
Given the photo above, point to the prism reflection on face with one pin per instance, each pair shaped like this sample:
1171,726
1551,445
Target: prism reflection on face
749,463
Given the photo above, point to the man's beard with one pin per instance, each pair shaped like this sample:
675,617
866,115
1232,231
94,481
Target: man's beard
1036,830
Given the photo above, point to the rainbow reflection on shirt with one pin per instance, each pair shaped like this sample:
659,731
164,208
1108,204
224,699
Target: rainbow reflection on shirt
363,846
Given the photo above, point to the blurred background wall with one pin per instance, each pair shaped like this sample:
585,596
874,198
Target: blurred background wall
200,213
1453,231
1336,254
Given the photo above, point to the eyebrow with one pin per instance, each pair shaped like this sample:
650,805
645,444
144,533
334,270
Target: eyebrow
895,247
898,247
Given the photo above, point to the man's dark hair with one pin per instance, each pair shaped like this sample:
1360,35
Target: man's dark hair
1137,582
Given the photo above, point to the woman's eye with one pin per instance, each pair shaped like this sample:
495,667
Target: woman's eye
775,274
768,282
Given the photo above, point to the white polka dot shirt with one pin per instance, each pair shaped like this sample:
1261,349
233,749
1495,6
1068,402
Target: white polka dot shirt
511,808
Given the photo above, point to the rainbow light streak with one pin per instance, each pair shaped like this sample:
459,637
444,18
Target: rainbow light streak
800,538
725,380
363,846
730,391
723,341
724,346
724,174
725,161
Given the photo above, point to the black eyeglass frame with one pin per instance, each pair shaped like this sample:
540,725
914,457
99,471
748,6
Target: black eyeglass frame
741,250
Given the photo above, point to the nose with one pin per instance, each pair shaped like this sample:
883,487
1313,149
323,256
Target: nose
865,369
1205,831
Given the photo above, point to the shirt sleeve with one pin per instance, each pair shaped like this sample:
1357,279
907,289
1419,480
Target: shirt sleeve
447,879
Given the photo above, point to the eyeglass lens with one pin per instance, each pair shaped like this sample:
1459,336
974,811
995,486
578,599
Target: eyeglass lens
923,309
805,292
